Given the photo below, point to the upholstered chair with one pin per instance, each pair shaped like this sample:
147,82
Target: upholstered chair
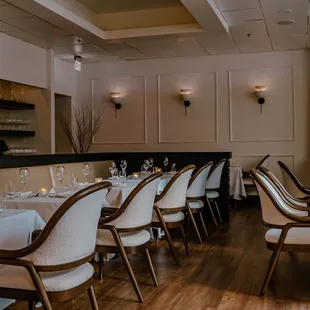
289,225
196,196
125,231
213,187
55,266
292,184
170,206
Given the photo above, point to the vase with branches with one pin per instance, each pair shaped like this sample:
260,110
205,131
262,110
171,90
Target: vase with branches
82,128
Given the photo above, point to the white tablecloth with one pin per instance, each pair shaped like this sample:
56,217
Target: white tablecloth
237,188
16,227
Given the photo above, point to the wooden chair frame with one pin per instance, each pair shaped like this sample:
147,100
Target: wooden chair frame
14,258
120,248
192,211
166,225
214,200
294,178
280,246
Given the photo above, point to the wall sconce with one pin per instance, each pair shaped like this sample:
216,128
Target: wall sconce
116,99
185,95
260,92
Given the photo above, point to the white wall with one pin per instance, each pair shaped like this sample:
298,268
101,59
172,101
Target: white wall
224,115
65,77
21,62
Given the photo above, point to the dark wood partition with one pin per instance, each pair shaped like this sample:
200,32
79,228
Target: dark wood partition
135,160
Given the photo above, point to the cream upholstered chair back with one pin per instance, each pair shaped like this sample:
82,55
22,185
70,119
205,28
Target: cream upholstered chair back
174,194
275,210
214,179
138,207
97,169
197,185
70,234
291,182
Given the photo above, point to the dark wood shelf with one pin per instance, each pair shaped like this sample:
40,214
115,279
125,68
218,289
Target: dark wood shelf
15,105
17,133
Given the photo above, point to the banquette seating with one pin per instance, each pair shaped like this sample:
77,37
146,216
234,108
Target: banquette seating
45,176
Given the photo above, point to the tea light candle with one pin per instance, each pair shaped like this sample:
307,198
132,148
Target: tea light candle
158,169
98,180
135,175
43,191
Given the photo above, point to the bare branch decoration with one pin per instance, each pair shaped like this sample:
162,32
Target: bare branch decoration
82,128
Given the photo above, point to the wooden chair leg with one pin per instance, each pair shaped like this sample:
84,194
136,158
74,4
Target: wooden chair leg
203,224
212,213
192,219
92,298
185,241
31,305
100,266
127,265
164,227
218,211
151,267
272,264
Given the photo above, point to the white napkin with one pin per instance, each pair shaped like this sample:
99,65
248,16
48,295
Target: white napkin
65,194
23,194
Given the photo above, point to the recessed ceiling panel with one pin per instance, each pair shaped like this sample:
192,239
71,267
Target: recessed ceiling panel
112,6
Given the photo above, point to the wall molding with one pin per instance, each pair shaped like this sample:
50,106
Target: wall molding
144,114
216,103
231,138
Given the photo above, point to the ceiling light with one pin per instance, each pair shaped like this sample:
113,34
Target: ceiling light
286,22
285,11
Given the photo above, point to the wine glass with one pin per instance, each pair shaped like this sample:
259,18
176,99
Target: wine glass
24,176
146,164
60,171
86,170
112,168
1,202
9,190
151,163
123,165
73,179
173,168
166,162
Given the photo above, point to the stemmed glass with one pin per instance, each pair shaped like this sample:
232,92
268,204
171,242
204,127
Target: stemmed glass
146,165
24,176
123,165
60,172
166,162
112,168
1,202
151,163
86,170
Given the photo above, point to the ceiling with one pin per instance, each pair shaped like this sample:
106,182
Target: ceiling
215,27
112,6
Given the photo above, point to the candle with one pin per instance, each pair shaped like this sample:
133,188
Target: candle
135,175
98,180
158,169
43,191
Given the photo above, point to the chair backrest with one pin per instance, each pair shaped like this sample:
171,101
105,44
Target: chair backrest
214,179
291,182
174,194
263,161
70,234
197,184
286,195
275,210
137,209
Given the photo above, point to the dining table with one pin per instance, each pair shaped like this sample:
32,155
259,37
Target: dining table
16,227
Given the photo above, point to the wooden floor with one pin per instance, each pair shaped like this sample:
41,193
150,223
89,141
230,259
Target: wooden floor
224,273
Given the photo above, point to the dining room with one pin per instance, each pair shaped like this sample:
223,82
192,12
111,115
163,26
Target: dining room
154,154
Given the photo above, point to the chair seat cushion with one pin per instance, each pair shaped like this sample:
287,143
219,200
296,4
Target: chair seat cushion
170,218
296,235
212,195
105,237
18,278
248,181
196,204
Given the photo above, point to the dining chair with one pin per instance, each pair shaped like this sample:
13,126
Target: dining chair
125,231
55,266
289,225
195,197
213,186
170,206
292,183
